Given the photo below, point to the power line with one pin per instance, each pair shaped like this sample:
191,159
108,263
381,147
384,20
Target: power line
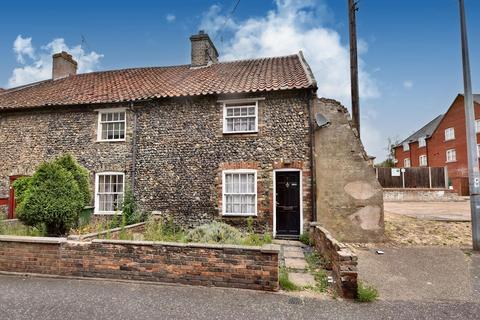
229,15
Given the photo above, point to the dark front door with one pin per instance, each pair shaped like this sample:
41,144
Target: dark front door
287,187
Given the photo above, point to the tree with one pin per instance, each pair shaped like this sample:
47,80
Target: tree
389,162
80,174
52,196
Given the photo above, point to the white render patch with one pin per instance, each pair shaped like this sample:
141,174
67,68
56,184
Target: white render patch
367,217
360,190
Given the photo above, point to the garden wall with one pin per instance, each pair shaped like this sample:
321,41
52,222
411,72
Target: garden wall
341,260
193,264
392,195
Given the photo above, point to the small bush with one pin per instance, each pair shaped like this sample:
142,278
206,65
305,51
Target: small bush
214,232
366,293
305,238
80,174
285,282
52,198
21,185
129,208
164,229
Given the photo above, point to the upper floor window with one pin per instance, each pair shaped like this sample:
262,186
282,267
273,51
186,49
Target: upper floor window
449,134
451,155
240,117
406,163
406,146
422,160
422,142
240,192
111,125
109,188
477,125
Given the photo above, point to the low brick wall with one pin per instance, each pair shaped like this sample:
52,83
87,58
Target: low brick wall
194,264
341,260
393,195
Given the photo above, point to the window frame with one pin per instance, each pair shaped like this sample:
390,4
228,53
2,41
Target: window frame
446,156
406,144
99,124
453,134
97,198
248,103
424,142
423,156
409,163
224,198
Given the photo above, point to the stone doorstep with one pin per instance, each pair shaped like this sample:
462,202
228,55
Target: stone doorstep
293,243
295,263
294,254
302,279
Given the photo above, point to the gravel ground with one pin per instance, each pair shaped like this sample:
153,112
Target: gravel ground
43,298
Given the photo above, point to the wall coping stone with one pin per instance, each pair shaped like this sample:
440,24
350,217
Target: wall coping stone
48,240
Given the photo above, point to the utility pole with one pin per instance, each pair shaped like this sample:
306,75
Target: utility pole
352,8
473,170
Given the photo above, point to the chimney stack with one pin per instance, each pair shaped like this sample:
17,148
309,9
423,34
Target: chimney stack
63,65
203,50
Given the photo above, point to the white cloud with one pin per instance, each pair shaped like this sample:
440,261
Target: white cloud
292,26
408,84
23,47
170,17
38,66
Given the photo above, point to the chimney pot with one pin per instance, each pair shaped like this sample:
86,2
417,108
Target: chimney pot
63,65
203,50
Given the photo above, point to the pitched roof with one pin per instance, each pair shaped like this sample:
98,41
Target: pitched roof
426,131
265,74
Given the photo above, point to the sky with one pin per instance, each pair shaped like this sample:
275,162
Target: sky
409,50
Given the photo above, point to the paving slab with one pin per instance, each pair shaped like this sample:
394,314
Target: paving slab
292,249
289,243
422,273
302,279
295,263
294,254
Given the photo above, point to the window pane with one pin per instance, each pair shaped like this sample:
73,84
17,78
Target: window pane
230,125
122,130
243,111
251,124
236,182
236,111
251,111
229,112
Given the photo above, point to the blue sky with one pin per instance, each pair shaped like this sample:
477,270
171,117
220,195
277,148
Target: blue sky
410,49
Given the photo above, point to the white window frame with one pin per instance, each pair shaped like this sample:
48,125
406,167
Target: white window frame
423,156
224,201
97,196
405,161
99,124
248,103
422,142
450,151
406,146
449,137
477,126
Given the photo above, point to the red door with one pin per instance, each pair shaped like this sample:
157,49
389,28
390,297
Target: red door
11,199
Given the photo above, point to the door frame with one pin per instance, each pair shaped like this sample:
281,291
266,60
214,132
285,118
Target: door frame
11,200
275,197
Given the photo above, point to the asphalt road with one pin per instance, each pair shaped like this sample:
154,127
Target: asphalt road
47,298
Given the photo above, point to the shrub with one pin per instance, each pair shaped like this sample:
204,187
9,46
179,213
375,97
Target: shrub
214,232
305,238
52,198
80,174
130,210
366,293
164,229
285,282
21,185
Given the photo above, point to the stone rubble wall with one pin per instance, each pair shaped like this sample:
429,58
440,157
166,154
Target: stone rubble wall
340,259
192,264
349,197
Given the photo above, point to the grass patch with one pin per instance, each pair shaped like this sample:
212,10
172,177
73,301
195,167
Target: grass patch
164,229
19,229
366,293
285,282
315,262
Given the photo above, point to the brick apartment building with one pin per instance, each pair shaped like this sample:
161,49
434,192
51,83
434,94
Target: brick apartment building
442,142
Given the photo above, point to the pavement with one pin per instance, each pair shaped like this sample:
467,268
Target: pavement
292,256
422,273
437,211
52,299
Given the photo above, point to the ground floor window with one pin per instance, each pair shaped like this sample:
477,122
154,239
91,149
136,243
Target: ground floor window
406,163
109,188
422,160
240,192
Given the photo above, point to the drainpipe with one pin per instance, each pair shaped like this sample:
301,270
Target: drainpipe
134,149
313,176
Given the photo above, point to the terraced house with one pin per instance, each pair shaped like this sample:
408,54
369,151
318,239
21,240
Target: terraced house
207,140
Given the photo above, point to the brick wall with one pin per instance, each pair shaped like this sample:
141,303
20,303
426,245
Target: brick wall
193,264
419,194
340,259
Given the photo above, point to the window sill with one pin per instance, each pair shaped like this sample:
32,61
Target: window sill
240,132
240,215
120,140
449,140
108,213
451,161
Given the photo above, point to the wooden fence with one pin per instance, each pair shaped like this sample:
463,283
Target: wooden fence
418,177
